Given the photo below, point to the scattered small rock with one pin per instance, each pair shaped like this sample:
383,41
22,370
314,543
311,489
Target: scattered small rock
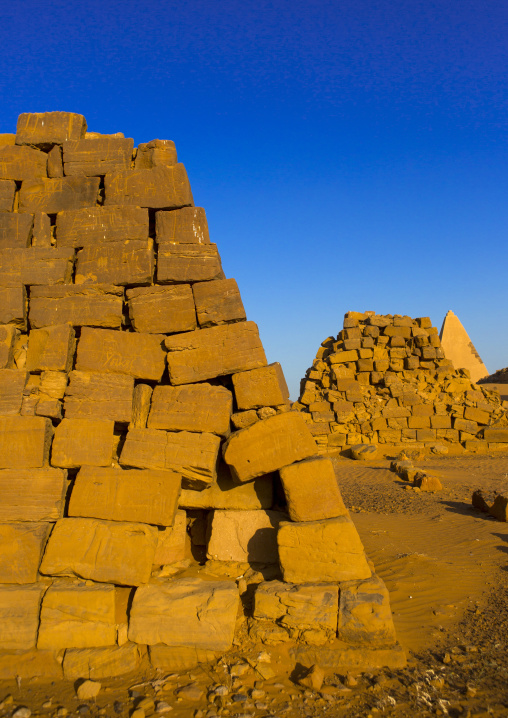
22,712
313,679
88,689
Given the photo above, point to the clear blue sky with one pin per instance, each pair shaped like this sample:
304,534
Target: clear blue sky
350,154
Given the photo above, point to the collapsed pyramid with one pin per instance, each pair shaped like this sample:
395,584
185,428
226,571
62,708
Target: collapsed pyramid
386,380
142,433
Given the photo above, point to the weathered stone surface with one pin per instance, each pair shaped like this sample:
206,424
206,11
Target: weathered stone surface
77,616
179,658
185,612
193,455
156,153
245,536
365,615
96,394
19,616
55,162
218,302
265,386
13,306
30,664
182,226
141,406
188,263
22,163
459,348
96,225
343,658
84,305
208,353
162,310
15,230
41,232
149,497
127,262
92,157
51,348
24,441
58,194
226,494
172,541
12,384
269,445
32,494
7,191
312,491
36,265
317,551
496,434
22,546
158,188
308,612
43,129
191,407
83,442
99,663
104,551
132,353
8,335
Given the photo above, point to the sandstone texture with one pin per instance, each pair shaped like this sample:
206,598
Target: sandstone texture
245,536
312,491
191,407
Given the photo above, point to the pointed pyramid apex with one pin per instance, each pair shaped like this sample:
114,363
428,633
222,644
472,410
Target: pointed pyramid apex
459,348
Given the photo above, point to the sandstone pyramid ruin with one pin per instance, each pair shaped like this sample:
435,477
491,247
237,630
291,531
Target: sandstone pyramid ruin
144,439
459,348
385,380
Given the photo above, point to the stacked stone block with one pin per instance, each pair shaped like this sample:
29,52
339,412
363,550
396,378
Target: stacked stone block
141,427
385,380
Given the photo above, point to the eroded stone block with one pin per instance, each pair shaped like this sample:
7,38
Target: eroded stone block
191,407
83,442
182,226
92,157
312,491
245,536
99,663
218,302
51,348
19,616
15,230
97,305
22,547
365,615
162,309
179,658
58,194
32,494
156,153
36,265
172,541
22,163
44,129
12,384
7,192
119,263
96,394
98,225
24,441
13,306
158,188
188,263
265,386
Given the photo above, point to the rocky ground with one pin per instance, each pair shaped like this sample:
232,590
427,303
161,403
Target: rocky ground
446,567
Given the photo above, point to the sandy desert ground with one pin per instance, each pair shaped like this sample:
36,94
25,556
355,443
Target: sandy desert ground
446,566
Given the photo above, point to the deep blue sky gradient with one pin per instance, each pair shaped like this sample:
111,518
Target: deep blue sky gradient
350,155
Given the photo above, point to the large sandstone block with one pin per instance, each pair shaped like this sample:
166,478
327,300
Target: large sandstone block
77,616
312,491
496,434
15,230
22,546
127,262
265,386
19,616
96,225
13,306
58,194
162,310
182,226
100,305
185,612
96,394
245,536
100,663
44,129
269,445
157,188
24,441
32,494
30,664
317,551
12,384
83,442
365,615
218,302
36,265
192,455
172,541
191,407
188,263
8,336
7,192
227,494
149,497
308,612
132,353
156,153
22,163
51,348
216,351
92,157
105,551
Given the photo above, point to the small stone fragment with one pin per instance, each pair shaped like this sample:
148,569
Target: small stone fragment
88,689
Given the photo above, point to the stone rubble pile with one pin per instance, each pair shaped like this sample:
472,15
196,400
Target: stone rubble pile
385,381
156,490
